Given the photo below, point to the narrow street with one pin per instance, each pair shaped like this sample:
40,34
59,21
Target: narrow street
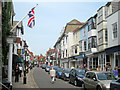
42,79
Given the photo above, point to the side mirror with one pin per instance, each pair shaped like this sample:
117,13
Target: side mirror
94,79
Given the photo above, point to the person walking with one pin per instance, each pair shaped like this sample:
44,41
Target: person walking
99,68
115,72
17,73
72,67
90,69
52,74
20,67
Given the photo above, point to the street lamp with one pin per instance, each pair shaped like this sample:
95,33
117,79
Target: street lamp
24,79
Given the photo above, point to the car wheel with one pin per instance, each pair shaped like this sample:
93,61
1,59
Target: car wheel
64,78
115,89
69,80
99,88
83,86
75,83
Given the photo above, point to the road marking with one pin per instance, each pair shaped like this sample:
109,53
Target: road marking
36,86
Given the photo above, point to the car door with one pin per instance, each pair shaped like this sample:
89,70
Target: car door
72,76
86,80
93,81
62,74
71,72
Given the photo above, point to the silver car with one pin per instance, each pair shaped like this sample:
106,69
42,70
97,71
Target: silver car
98,80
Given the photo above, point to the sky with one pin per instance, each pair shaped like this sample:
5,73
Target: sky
50,18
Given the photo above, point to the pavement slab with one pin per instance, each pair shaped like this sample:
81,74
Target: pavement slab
31,84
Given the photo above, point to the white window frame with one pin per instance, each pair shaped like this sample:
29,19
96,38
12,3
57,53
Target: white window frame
100,37
114,30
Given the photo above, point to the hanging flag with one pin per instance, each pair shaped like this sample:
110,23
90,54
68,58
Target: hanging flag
31,21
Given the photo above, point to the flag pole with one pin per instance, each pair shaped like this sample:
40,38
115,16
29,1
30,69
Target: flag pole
21,20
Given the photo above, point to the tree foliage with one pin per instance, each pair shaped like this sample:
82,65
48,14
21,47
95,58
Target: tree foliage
6,26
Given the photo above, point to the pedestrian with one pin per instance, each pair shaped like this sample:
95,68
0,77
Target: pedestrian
90,69
115,72
84,65
109,69
80,67
77,66
99,68
52,75
20,68
17,71
72,67
27,69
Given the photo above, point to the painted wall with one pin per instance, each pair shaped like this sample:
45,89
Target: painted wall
112,19
84,37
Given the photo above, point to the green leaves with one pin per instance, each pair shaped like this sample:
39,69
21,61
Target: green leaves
6,26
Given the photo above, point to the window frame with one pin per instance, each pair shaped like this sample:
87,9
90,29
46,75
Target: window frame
100,37
114,30
85,45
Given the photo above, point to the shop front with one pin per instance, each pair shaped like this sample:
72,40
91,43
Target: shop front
64,63
80,60
114,55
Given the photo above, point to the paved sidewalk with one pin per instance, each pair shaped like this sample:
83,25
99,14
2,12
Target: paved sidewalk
30,83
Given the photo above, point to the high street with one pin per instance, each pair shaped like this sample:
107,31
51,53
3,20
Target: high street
43,79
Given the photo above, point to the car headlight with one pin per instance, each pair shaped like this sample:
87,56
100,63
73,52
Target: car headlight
79,78
107,85
67,75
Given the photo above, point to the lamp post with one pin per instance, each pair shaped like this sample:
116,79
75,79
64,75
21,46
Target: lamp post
24,79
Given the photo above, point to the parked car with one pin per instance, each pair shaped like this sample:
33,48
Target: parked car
47,68
76,76
115,85
54,67
98,80
58,72
43,66
65,74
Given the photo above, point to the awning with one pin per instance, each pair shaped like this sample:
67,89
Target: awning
17,59
112,49
79,56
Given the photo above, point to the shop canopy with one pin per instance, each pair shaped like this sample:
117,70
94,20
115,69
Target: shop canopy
112,49
17,59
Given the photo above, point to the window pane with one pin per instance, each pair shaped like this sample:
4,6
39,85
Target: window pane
114,30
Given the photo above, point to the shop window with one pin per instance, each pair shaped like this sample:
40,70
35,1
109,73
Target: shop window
95,62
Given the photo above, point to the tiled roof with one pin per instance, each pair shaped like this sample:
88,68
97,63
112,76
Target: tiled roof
50,51
74,21
76,29
80,27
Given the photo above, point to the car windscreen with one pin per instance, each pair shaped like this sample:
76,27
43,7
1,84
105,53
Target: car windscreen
55,67
48,67
59,69
43,65
67,70
81,72
106,76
